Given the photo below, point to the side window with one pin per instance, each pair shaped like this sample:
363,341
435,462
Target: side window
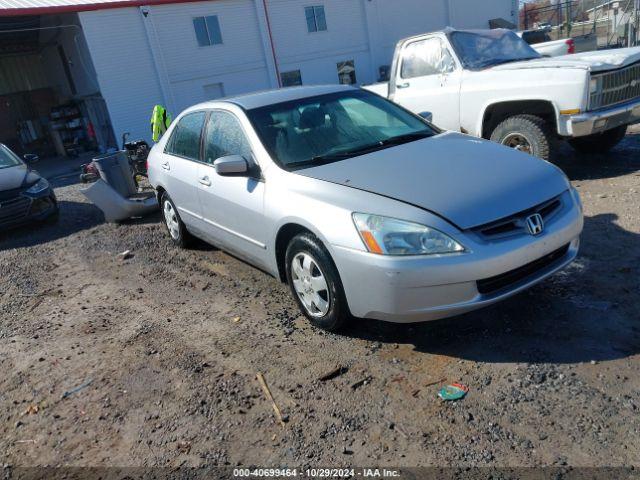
225,137
426,57
185,140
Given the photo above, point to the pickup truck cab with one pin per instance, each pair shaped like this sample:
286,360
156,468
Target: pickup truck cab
492,84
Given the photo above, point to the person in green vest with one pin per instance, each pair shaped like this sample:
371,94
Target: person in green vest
160,121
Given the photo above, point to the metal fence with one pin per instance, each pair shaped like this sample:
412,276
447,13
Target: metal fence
615,23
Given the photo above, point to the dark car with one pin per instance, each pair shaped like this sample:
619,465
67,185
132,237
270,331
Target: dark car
25,196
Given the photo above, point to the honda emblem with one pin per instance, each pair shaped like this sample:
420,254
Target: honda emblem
535,224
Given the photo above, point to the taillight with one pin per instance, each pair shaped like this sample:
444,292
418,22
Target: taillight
572,46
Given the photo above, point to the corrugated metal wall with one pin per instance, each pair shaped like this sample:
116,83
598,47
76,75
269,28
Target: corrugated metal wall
19,73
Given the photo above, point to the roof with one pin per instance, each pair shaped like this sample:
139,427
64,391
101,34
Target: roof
41,7
270,97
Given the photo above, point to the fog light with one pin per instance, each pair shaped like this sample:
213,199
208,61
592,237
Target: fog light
601,123
40,205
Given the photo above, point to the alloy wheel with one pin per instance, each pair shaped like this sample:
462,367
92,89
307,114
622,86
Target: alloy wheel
310,284
171,219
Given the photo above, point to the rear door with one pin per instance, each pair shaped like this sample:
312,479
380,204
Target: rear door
180,162
232,207
428,80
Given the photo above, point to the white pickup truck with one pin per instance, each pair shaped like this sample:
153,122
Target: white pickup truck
491,84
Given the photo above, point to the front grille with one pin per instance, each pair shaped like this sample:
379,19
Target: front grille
618,86
14,209
497,283
515,224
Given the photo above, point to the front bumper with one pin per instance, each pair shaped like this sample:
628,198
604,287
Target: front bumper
416,289
599,121
24,209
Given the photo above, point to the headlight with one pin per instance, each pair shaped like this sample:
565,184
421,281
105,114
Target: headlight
40,186
595,85
576,198
390,236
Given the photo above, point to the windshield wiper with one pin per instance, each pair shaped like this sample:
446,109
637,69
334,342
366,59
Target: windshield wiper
406,138
334,157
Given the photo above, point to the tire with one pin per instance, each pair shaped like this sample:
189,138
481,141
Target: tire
599,142
171,219
327,307
527,133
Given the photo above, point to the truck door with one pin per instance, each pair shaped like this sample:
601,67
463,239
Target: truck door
428,80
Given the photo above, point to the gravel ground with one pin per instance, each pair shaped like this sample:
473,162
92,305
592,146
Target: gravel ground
165,347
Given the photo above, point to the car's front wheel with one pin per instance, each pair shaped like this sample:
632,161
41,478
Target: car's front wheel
526,133
314,282
177,231
599,142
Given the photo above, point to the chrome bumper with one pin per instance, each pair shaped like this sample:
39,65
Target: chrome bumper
598,121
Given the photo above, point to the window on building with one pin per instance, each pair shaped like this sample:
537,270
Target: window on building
291,79
225,136
316,21
347,72
213,91
207,30
185,139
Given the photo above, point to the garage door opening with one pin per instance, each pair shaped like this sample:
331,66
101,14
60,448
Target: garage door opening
50,101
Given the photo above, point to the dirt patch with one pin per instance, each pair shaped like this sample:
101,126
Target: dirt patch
160,353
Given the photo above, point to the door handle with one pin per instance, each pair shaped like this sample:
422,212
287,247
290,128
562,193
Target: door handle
166,166
403,85
205,181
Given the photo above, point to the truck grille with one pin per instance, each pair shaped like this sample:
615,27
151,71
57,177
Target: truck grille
14,209
491,285
618,86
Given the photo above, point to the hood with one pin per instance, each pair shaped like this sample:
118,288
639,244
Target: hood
16,177
466,180
596,61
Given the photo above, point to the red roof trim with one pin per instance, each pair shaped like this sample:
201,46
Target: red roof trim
14,12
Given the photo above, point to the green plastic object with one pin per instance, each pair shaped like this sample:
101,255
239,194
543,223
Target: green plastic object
455,391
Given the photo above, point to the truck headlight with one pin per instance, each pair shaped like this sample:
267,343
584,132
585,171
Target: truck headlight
390,236
38,187
595,85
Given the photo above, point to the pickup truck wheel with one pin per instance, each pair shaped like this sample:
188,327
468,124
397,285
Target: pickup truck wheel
315,283
527,133
599,142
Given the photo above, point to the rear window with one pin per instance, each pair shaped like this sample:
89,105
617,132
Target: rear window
536,37
185,139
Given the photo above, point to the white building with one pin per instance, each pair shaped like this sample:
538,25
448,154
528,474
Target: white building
135,54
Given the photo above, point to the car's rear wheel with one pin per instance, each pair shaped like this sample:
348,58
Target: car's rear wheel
177,231
526,133
599,142
315,284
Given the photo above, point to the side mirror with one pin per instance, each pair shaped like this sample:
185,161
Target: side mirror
31,157
428,116
231,165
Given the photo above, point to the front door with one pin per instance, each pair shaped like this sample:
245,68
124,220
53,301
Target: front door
232,207
428,80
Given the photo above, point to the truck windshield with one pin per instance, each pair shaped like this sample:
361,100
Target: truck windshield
322,129
486,48
8,158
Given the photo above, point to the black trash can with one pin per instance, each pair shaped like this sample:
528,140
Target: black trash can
115,170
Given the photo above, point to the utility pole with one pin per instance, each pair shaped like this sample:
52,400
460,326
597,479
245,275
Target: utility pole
569,18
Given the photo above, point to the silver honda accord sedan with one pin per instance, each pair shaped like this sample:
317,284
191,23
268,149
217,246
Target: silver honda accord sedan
362,207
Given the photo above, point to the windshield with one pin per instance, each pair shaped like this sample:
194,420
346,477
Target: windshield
485,48
8,158
327,128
